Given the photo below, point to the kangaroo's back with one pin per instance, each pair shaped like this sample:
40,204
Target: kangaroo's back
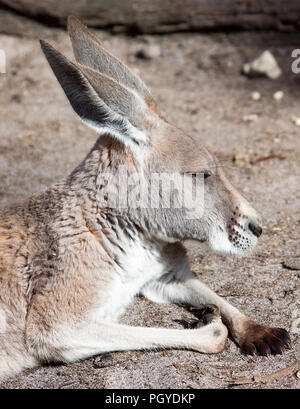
13,237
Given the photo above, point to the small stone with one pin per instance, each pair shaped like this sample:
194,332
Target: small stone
256,96
149,51
298,374
264,65
292,264
278,95
241,159
296,120
295,327
250,118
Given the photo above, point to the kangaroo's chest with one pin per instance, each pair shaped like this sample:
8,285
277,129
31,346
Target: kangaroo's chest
137,266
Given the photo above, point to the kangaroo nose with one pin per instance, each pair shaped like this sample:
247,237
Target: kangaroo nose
255,228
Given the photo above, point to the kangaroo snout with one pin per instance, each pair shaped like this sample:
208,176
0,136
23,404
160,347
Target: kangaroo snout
244,229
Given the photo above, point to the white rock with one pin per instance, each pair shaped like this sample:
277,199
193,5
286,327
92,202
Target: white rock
250,118
296,120
149,51
264,65
255,96
278,95
241,159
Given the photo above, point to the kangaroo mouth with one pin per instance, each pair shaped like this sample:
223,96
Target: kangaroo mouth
234,239
243,237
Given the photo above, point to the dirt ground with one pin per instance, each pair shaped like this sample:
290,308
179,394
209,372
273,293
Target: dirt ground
197,82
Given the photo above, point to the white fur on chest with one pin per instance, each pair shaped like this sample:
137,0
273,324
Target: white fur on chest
139,265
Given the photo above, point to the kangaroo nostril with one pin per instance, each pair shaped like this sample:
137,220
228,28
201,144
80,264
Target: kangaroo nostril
256,229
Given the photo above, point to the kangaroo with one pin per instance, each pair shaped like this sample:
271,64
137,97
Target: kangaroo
70,264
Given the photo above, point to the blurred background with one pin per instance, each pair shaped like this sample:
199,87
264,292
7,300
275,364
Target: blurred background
225,71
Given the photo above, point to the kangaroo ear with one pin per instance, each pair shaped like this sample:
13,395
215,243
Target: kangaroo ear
90,52
100,102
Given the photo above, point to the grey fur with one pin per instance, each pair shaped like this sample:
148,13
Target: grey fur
89,51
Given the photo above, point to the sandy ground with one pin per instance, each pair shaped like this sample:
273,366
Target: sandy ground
198,85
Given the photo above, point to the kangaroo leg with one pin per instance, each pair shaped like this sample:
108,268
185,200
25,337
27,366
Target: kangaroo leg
187,289
93,338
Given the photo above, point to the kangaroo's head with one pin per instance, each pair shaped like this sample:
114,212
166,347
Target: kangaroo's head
136,137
